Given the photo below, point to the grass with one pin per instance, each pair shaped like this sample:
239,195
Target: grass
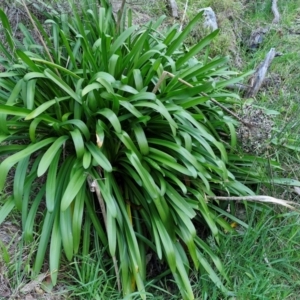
262,260
90,281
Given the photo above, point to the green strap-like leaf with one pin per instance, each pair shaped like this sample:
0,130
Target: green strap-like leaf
129,144
171,164
111,233
147,179
75,184
43,107
51,181
87,159
128,106
182,271
43,242
80,125
7,30
178,41
31,217
19,180
55,250
141,139
121,39
15,111
55,66
50,154
99,157
95,220
65,222
6,165
28,61
211,273
166,241
78,142
91,87
138,79
64,86
5,210
113,119
195,50
78,217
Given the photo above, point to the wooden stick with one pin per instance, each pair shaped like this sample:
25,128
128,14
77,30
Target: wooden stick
39,34
184,14
174,8
275,12
260,74
261,198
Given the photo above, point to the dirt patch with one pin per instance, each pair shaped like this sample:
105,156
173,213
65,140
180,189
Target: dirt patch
255,139
14,279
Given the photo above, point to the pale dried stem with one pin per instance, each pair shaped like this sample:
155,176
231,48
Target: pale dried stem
261,198
275,12
260,74
184,14
174,8
39,34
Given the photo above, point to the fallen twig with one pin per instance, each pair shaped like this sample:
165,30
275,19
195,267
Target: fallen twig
275,12
184,14
260,74
174,8
39,34
261,198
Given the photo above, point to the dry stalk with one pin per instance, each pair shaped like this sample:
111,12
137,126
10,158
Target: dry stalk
39,34
165,73
173,8
94,187
260,74
261,198
184,14
275,12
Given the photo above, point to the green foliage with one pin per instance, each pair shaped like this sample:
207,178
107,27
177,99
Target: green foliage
263,260
82,116
92,280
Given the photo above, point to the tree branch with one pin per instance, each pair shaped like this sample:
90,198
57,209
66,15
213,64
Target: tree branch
174,8
39,34
275,12
261,198
260,74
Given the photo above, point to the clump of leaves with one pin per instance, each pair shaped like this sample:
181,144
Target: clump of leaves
93,124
